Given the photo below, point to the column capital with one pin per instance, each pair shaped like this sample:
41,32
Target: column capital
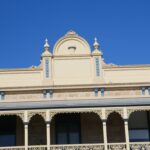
25,123
126,120
104,120
48,122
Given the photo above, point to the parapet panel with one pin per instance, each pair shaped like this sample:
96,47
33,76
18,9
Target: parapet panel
72,71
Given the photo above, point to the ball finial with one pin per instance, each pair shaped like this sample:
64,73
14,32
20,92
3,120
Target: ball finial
46,45
96,44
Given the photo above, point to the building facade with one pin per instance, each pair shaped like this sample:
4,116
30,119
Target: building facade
75,101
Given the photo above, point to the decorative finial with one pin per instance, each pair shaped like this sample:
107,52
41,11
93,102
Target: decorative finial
71,33
46,45
46,51
96,44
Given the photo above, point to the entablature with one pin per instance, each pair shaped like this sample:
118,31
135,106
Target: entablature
103,91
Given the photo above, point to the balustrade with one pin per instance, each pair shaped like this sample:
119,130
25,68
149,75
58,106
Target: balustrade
13,148
37,147
116,146
78,147
110,146
140,146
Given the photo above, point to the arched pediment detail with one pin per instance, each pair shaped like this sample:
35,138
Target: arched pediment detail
97,112
20,115
32,114
118,111
71,44
132,110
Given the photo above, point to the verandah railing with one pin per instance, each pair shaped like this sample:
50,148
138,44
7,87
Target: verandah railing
110,146
13,148
59,147
116,146
140,145
78,147
37,147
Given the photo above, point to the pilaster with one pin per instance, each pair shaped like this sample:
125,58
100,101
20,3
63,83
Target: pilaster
97,62
46,60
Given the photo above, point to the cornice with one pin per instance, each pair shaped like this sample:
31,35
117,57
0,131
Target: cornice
74,87
21,69
125,67
72,55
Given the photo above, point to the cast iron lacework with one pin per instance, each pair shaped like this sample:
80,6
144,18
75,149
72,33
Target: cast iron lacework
47,68
97,66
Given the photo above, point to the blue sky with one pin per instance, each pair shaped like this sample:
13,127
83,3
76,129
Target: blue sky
121,26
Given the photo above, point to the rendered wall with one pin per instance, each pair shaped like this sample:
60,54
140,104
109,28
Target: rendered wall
17,78
72,71
127,75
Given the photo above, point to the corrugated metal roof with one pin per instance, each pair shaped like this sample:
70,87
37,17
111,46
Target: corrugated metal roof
74,103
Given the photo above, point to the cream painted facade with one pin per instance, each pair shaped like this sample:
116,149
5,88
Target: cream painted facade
75,101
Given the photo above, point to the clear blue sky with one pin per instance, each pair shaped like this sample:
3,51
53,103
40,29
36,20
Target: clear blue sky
121,26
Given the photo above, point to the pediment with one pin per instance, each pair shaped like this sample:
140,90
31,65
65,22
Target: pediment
71,44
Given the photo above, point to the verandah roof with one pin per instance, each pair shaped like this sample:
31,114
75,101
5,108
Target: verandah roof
49,104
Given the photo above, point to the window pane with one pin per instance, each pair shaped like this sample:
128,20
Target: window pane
74,138
67,129
138,120
74,133
139,135
62,133
7,131
62,138
7,140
